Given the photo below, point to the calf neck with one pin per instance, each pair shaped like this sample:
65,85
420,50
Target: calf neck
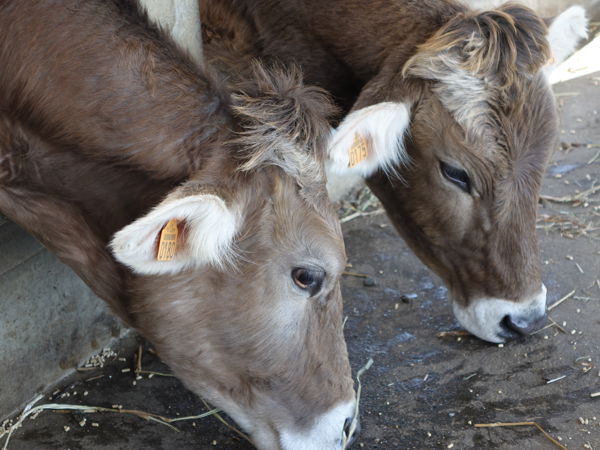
459,121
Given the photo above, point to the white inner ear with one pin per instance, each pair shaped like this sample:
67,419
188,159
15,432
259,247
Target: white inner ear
383,126
564,33
210,227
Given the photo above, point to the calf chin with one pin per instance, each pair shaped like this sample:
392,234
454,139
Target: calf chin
497,320
323,432
323,428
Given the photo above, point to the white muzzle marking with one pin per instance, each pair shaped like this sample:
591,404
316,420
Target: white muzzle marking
484,316
325,433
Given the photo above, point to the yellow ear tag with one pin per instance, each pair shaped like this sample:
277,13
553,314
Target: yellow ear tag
358,151
168,241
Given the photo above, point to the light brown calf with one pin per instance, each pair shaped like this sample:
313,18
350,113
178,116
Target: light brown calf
108,132
458,118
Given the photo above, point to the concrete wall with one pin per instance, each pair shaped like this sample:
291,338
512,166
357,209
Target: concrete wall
50,322
182,19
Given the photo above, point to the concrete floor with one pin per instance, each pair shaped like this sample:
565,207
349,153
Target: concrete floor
423,391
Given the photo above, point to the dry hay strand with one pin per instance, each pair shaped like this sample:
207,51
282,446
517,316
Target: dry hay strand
30,409
215,411
138,367
355,274
521,424
567,226
227,424
555,324
453,333
576,199
347,437
365,204
554,380
558,302
552,323
353,216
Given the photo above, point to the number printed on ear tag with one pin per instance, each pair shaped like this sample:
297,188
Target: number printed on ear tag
167,244
358,151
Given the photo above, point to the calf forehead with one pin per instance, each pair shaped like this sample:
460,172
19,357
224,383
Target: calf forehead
533,121
489,112
527,134
306,221
512,129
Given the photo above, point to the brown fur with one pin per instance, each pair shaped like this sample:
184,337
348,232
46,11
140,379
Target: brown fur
479,102
500,45
268,106
117,118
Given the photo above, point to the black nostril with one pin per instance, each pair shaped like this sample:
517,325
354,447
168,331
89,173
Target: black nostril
523,326
347,429
347,424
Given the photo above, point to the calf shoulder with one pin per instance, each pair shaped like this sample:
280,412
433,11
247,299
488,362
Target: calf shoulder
97,77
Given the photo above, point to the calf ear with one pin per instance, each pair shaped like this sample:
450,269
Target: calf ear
180,233
371,137
564,33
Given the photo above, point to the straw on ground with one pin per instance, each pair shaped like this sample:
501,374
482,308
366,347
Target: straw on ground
521,424
346,438
30,409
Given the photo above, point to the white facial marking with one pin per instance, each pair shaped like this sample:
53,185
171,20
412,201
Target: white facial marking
325,434
210,228
383,125
483,316
564,33
465,96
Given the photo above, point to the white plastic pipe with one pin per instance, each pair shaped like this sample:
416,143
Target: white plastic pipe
181,18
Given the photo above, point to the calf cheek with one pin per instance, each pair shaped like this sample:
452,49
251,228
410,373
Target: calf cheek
328,364
444,216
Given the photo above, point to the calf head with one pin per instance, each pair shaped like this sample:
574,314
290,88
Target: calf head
248,311
473,118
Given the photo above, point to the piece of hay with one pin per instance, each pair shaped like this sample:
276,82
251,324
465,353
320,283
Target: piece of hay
554,380
353,216
577,198
227,424
30,409
569,226
555,304
346,438
355,274
521,424
453,333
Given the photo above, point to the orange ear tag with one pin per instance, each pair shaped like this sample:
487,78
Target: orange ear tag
168,241
358,151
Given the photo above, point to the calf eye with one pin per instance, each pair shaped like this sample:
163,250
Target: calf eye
457,176
309,280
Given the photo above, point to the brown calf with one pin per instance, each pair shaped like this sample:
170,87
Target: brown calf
458,118
108,132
